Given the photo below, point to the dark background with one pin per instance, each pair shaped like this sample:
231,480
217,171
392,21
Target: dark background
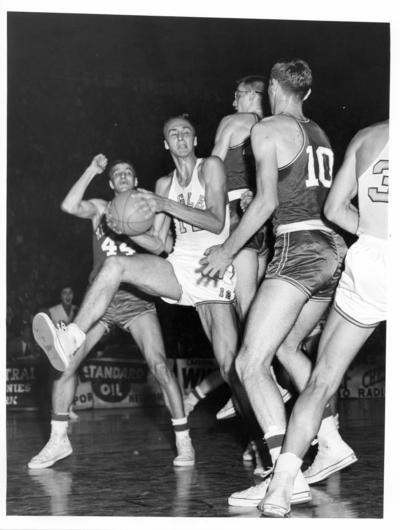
79,85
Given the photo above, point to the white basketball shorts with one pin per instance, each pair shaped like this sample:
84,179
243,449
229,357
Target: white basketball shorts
361,293
197,289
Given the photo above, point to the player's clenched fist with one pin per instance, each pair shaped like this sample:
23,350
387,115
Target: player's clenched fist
99,163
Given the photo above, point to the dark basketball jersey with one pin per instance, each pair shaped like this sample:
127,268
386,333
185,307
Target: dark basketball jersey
239,165
107,243
303,184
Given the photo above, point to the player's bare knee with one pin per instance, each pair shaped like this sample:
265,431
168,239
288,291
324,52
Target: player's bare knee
225,369
114,265
246,367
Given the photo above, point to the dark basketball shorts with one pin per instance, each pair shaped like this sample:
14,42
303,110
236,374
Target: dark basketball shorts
259,242
311,260
124,307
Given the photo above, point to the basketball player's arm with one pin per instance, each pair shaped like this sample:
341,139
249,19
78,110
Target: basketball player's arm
222,138
212,218
158,239
338,206
218,258
74,204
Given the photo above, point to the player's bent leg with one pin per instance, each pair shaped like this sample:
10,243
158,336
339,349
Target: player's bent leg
290,355
272,315
58,446
246,266
146,331
340,343
220,325
151,274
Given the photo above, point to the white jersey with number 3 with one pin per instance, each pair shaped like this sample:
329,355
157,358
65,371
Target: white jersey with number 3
191,240
373,192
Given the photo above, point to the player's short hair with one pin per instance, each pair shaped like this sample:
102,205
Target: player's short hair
121,161
294,76
258,83
183,116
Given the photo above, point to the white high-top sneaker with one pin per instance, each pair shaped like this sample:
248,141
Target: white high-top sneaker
329,460
286,491
254,495
57,447
59,344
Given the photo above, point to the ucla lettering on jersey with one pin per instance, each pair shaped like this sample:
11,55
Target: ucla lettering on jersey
200,204
192,240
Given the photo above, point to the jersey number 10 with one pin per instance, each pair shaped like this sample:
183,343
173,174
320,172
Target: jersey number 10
324,166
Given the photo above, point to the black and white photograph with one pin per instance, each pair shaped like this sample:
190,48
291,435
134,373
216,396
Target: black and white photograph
196,266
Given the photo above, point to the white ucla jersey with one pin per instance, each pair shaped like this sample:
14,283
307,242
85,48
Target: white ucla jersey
190,239
373,193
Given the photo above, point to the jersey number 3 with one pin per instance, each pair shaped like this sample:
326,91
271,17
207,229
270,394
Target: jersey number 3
381,192
319,173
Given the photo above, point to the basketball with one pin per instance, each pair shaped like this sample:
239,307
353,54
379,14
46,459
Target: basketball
129,213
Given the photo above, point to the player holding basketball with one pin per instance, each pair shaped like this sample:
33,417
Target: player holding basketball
360,301
294,164
194,195
127,309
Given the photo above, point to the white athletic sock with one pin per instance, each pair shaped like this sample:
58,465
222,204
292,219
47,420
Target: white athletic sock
328,435
288,463
179,435
59,428
274,440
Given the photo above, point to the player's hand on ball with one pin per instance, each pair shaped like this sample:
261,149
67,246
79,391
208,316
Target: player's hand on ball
246,199
154,201
99,163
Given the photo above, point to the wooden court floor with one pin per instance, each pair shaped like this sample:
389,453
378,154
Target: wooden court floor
122,466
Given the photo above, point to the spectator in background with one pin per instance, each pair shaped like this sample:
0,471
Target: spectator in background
23,347
64,312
